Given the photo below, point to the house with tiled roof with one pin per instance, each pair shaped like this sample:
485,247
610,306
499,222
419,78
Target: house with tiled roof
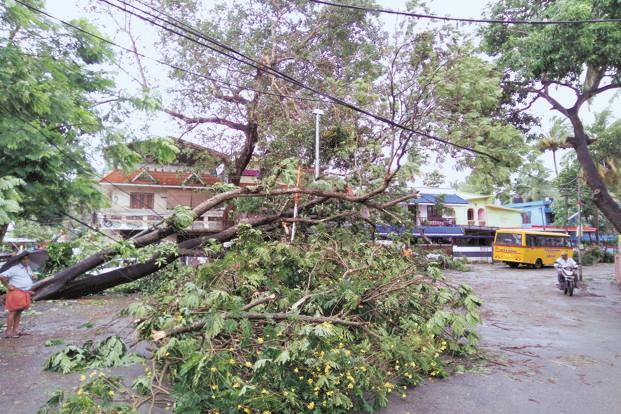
141,198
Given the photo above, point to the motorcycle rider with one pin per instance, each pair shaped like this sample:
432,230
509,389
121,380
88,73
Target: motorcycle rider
561,262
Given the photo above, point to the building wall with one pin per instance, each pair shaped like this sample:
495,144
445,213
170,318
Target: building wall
119,197
503,218
537,212
461,212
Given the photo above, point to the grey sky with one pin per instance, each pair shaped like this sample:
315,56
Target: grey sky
69,9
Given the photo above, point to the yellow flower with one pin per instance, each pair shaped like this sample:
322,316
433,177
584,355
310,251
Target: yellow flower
363,369
436,355
213,369
111,393
263,391
310,381
246,410
260,340
214,387
248,364
267,412
301,378
310,405
296,370
404,395
350,386
82,377
232,361
236,385
80,392
92,374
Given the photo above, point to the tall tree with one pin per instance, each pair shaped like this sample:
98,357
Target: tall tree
555,140
47,88
584,59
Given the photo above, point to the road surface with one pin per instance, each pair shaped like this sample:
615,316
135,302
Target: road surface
547,353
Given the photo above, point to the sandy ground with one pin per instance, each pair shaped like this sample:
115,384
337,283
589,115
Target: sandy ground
547,353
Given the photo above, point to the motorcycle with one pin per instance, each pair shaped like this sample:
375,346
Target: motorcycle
568,279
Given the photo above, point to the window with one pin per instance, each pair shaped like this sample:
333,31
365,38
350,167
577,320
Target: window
526,217
470,214
509,239
433,211
535,241
141,200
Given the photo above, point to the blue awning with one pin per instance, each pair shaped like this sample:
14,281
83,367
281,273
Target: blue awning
438,198
429,231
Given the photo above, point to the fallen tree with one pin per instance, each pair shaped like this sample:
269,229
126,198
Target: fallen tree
64,285
333,324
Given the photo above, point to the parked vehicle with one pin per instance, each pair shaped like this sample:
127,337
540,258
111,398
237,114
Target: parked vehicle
533,248
568,279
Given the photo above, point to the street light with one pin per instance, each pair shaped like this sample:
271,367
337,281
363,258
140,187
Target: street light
318,113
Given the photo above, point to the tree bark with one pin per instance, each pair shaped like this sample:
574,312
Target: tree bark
3,230
601,197
95,284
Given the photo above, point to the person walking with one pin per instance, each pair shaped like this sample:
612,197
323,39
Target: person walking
18,281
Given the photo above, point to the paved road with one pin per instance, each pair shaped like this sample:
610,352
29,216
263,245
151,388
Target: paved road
552,353
24,386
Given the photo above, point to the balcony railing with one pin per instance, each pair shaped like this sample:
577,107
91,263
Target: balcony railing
140,219
435,221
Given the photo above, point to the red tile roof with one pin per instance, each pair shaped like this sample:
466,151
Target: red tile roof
161,178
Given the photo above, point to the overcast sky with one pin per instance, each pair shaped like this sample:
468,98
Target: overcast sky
69,9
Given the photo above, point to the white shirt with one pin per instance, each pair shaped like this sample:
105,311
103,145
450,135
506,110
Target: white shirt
560,262
19,276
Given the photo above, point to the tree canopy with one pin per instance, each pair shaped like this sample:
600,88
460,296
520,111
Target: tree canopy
539,60
48,81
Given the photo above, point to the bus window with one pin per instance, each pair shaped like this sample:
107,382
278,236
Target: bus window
534,241
509,239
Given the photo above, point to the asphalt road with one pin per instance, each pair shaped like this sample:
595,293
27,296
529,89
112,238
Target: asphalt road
546,352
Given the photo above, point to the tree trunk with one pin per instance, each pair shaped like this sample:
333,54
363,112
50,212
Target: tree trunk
601,197
48,286
3,230
95,284
555,165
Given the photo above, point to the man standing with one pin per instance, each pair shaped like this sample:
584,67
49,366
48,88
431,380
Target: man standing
18,281
561,262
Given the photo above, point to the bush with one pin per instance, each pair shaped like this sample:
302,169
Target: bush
594,254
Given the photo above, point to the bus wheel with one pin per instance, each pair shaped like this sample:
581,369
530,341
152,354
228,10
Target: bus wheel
538,264
513,265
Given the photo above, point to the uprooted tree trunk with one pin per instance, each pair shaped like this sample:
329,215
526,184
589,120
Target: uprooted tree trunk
64,285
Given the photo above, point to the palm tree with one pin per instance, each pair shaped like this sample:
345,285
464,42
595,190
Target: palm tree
555,140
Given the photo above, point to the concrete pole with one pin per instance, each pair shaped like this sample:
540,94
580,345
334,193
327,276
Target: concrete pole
318,113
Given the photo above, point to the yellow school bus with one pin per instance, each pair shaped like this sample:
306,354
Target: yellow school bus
533,248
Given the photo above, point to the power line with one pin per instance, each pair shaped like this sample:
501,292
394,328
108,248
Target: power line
161,62
244,59
463,19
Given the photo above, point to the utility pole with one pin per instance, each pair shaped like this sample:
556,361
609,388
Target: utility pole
318,113
296,199
579,230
